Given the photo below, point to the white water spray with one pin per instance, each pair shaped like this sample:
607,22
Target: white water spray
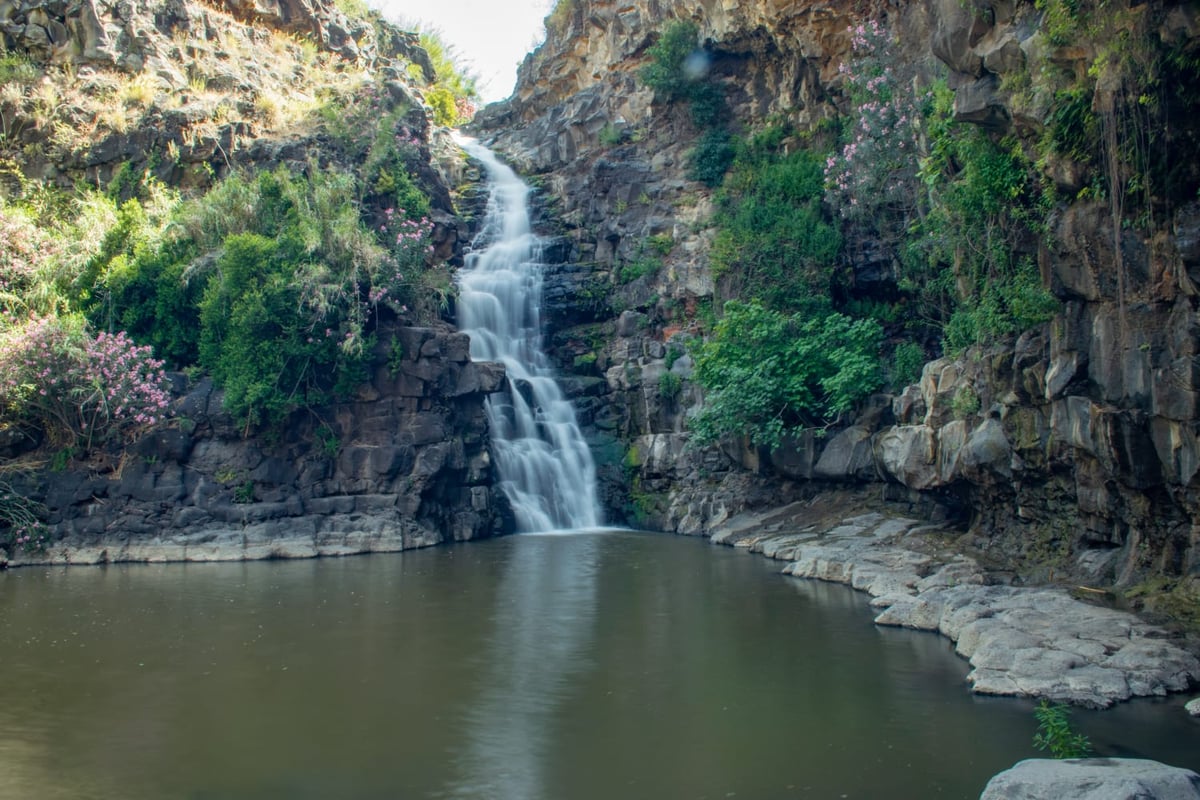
545,467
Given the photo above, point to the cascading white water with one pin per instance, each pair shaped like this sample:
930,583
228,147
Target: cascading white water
544,465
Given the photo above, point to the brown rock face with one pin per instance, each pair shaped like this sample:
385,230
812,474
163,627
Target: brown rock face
1073,451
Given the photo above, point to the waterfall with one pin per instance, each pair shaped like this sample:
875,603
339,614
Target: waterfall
544,465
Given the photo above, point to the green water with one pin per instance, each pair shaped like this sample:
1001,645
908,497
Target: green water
559,667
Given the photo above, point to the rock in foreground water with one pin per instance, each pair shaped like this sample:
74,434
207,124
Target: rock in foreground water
1093,779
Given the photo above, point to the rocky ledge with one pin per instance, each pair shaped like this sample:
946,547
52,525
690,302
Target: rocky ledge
402,464
1020,641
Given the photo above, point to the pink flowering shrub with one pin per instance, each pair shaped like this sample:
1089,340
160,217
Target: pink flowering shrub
876,168
410,251
81,389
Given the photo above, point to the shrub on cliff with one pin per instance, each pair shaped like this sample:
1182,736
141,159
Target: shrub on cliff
270,282
958,205
672,71
774,242
968,259
454,95
285,315
81,389
765,372
678,70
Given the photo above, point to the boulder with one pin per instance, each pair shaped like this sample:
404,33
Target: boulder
908,454
795,455
958,29
1178,448
979,103
1187,233
987,453
1093,779
848,456
1004,57
1064,368
908,407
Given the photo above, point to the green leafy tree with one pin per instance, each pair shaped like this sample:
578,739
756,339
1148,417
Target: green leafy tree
765,372
667,72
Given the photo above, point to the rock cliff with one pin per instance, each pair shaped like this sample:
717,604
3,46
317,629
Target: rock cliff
1068,453
186,91
403,464
180,95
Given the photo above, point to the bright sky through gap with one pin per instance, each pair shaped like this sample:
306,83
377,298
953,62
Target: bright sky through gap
490,36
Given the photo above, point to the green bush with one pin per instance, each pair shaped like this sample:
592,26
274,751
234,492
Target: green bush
1073,127
965,262
667,72
639,267
1055,734
454,93
706,103
908,359
710,158
670,386
774,242
765,372
678,72
269,282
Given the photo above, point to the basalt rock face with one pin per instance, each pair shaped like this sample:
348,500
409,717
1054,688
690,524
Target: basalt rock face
611,165
403,464
135,35
188,92
1072,453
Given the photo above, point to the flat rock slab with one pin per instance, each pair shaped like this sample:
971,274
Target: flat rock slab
1093,779
1024,642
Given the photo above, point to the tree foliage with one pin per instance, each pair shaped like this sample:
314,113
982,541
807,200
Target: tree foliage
667,72
765,371
272,281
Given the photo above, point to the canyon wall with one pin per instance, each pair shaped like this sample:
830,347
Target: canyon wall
1077,455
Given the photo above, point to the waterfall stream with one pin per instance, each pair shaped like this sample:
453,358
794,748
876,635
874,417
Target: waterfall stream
545,467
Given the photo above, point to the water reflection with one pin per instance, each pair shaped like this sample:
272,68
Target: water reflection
542,632
586,667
